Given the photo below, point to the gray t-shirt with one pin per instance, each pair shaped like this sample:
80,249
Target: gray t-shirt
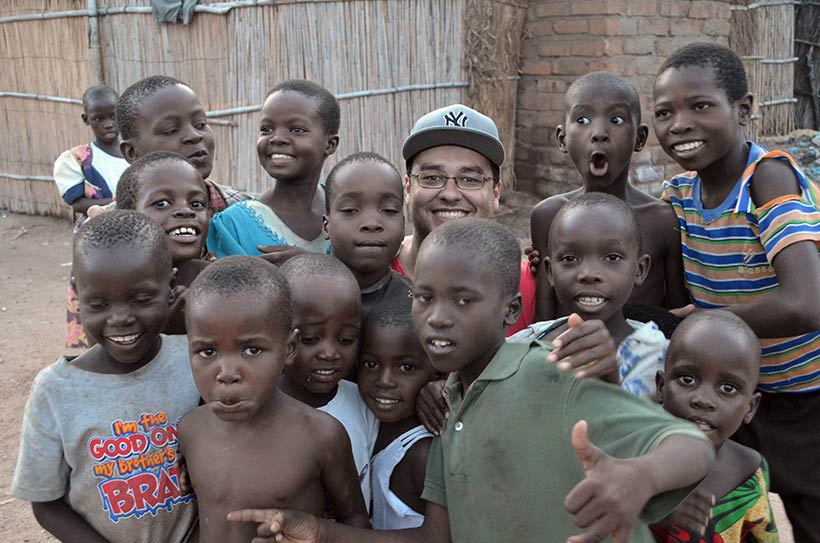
109,444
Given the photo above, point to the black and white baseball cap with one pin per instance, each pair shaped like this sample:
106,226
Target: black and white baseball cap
455,124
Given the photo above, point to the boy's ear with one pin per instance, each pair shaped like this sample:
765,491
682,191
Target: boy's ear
332,144
660,381
644,263
129,152
547,266
292,346
561,136
84,118
514,308
641,137
754,403
324,227
744,108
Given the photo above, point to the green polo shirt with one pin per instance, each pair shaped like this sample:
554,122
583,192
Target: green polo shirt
504,462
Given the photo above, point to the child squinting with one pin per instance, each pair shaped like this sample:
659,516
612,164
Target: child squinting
365,224
709,379
240,339
327,312
297,132
98,452
601,130
392,369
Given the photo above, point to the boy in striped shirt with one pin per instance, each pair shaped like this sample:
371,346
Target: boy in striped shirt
750,229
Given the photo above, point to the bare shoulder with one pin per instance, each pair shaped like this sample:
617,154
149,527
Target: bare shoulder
772,179
418,453
547,208
321,427
735,463
194,422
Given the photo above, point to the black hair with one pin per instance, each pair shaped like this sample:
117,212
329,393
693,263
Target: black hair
129,104
726,65
490,246
356,158
233,275
391,313
328,108
711,317
601,79
408,165
600,199
319,267
128,187
122,228
95,92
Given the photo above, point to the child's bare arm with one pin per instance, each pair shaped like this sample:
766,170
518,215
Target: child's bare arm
61,521
288,526
540,221
794,307
610,498
339,476
675,293
81,204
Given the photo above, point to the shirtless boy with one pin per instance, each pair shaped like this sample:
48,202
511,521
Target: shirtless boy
602,128
240,339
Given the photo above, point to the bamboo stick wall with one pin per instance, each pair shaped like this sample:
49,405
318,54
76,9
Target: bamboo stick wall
231,60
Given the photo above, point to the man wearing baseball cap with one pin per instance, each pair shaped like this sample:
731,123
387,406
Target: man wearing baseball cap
453,157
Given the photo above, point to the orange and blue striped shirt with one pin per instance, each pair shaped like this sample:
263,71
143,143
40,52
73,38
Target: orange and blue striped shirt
727,256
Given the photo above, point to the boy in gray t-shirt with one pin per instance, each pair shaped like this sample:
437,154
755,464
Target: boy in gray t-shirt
98,450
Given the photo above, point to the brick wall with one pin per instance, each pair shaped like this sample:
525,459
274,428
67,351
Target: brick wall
566,39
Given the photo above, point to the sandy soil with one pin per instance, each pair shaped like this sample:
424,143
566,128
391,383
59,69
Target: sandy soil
33,278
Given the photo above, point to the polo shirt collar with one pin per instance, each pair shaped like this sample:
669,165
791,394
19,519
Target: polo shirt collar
505,363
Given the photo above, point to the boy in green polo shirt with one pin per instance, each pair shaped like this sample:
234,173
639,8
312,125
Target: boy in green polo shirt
515,461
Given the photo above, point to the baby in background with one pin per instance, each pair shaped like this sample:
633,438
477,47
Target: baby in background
601,130
595,261
392,369
298,130
327,311
365,224
249,444
710,377
98,450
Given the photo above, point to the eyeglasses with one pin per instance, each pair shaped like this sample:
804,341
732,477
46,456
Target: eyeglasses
431,179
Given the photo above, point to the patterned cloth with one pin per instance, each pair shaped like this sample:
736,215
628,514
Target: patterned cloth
78,175
239,229
727,256
744,515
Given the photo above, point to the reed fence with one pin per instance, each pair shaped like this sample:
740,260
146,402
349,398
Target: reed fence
389,61
807,71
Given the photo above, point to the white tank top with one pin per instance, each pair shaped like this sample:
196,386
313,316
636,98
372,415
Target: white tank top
389,512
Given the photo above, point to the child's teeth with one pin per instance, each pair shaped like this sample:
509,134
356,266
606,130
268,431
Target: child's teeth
440,343
683,147
124,339
385,401
184,231
590,300
280,156
325,372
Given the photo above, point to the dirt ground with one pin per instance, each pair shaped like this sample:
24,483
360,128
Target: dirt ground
33,280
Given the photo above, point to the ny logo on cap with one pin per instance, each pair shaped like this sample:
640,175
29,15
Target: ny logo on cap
455,118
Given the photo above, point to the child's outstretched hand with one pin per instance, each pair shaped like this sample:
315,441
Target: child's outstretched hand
611,496
284,525
431,407
587,347
278,254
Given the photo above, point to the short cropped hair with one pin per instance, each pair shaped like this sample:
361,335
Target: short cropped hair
233,275
95,92
129,104
718,317
356,158
726,65
598,80
391,313
600,199
328,108
128,187
317,266
491,247
122,228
